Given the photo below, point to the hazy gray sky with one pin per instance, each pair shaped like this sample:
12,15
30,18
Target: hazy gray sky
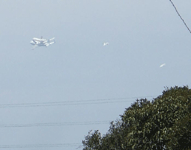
142,35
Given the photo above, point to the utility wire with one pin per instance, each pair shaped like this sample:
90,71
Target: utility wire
49,124
180,16
79,102
40,145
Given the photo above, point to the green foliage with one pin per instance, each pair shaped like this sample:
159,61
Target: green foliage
92,140
164,123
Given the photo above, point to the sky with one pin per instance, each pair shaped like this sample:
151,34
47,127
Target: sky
51,97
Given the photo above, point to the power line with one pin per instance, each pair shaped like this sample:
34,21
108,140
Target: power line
180,16
41,145
63,103
49,124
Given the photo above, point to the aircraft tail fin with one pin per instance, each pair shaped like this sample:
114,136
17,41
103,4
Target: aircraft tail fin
51,41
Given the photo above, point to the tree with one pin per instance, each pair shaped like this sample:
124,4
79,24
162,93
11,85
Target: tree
164,123
92,140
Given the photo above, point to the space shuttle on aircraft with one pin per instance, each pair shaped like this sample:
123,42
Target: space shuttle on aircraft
42,42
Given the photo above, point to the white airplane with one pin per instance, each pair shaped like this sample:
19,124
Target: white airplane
105,43
42,42
162,65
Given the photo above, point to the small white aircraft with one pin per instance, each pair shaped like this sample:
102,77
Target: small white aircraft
105,43
162,65
42,42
